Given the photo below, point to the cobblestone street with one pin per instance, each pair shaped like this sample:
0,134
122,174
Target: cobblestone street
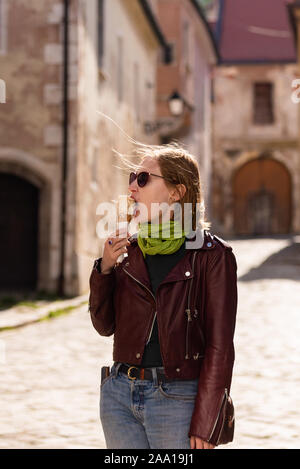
50,377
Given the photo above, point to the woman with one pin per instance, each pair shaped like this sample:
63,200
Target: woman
171,306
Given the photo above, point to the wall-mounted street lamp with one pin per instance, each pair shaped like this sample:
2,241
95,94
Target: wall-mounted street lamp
176,106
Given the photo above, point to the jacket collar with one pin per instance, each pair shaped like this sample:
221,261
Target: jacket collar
135,266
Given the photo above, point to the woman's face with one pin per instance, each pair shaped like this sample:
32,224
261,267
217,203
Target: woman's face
155,191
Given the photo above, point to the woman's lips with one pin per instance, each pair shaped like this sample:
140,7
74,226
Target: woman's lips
136,210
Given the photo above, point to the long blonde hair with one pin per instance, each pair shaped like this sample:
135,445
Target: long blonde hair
177,166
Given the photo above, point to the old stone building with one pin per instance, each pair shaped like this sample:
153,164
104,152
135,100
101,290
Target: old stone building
194,56
61,61
256,186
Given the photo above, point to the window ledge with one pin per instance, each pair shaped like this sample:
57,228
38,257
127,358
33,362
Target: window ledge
102,74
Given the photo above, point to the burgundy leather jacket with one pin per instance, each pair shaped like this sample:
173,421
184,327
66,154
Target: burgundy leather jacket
196,308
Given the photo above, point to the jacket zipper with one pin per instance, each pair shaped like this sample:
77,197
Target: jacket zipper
139,282
151,328
200,329
188,312
218,416
152,325
223,422
152,296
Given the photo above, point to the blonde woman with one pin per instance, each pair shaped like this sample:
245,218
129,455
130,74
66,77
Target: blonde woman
171,306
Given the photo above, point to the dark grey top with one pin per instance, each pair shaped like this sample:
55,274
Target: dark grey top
158,265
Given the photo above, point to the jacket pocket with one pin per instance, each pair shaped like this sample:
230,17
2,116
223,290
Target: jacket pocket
199,329
194,337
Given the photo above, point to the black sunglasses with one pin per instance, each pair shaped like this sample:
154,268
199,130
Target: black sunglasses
142,178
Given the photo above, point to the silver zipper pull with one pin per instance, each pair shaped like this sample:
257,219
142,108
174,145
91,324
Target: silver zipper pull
188,312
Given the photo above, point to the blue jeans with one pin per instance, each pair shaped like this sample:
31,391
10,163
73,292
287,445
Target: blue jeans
141,414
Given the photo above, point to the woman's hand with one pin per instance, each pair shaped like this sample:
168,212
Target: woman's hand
197,443
114,246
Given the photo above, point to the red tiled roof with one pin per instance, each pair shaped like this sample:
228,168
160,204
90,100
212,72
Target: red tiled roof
255,31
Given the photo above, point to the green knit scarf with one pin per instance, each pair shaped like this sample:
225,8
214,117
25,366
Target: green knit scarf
152,243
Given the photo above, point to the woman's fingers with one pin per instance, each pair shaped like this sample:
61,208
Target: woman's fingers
197,443
192,442
120,244
120,249
114,246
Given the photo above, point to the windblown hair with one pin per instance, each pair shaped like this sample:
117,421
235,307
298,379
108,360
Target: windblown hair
177,166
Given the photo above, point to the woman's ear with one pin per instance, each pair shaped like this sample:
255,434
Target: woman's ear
178,193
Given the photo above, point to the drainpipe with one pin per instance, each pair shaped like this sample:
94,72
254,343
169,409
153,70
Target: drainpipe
61,280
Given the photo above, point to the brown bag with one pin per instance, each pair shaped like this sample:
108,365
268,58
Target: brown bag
223,430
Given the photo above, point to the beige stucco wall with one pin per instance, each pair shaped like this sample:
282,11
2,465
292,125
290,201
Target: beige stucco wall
30,119
31,132
238,140
98,179
233,110
195,73
190,74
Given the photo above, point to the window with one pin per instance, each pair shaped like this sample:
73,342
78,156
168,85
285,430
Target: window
166,56
100,32
3,30
263,103
170,55
188,59
136,84
120,69
2,91
186,41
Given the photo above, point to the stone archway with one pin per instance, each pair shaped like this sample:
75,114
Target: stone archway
262,199
37,177
19,207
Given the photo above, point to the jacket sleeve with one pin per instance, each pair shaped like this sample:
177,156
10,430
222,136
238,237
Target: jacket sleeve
101,306
219,326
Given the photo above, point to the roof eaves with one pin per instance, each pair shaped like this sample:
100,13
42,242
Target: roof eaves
219,24
156,28
208,28
290,8
258,61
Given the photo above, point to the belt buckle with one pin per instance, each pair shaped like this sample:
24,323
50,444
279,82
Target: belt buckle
128,372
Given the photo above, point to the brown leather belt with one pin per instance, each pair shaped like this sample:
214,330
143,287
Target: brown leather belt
134,372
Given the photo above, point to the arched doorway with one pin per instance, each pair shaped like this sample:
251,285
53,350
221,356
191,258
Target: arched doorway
19,203
262,198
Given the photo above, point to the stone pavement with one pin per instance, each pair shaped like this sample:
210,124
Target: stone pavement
50,370
265,385
49,384
23,314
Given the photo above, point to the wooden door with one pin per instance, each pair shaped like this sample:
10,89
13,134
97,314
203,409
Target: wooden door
19,201
262,198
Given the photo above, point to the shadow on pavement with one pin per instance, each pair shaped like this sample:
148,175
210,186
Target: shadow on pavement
9,299
284,264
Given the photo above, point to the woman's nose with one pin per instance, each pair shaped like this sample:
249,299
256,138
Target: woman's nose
133,186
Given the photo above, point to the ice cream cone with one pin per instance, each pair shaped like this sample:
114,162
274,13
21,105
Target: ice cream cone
124,217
